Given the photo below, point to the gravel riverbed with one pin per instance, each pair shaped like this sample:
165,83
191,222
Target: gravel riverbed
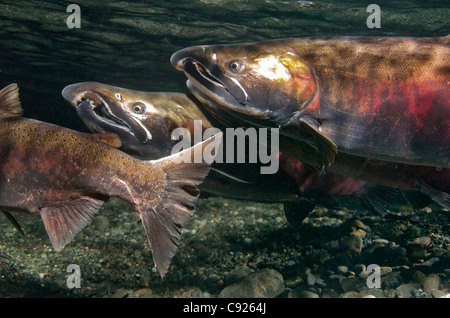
235,248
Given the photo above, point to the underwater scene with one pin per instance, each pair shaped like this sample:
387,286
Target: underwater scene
320,158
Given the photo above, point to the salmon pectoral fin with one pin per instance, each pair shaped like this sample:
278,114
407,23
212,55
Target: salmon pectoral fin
325,148
164,222
63,221
417,199
9,102
14,222
440,197
379,199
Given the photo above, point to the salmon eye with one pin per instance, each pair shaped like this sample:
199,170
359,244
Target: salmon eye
138,108
236,66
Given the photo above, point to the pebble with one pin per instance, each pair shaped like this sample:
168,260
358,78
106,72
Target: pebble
391,281
294,281
311,279
380,241
428,263
342,269
350,294
238,274
266,283
431,282
407,290
359,268
143,293
372,293
301,292
422,241
353,243
359,224
360,233
353,284
120,293
100,222
419,277
437,293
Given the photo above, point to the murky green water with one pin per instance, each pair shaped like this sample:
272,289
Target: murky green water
129,43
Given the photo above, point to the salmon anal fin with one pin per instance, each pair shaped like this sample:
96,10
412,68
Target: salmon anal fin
63,221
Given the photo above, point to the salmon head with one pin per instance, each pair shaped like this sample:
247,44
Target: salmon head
143,121
253,81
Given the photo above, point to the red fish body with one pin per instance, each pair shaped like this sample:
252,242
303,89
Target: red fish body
380,98
386,98
376,109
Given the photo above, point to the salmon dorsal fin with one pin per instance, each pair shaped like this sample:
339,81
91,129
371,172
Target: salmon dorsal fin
9,102
63,221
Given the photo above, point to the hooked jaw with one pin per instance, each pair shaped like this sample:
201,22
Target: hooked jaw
199,65
97,113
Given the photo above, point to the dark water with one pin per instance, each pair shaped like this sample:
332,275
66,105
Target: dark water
129,43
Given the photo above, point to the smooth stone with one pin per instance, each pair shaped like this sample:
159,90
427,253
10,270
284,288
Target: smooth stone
302,293
238,274
419,277
266,283
342,269
311,279
431,282
390,282
437,293
100,222
120,293
406,290
353,284
422,241
353,243
143,293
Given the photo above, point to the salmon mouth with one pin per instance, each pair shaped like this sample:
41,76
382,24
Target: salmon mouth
200,74
214,83
101,111
204,72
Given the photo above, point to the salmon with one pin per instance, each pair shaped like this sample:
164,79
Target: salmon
375,97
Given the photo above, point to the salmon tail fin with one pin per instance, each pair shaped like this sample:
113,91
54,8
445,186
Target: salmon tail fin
163,222
9,102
